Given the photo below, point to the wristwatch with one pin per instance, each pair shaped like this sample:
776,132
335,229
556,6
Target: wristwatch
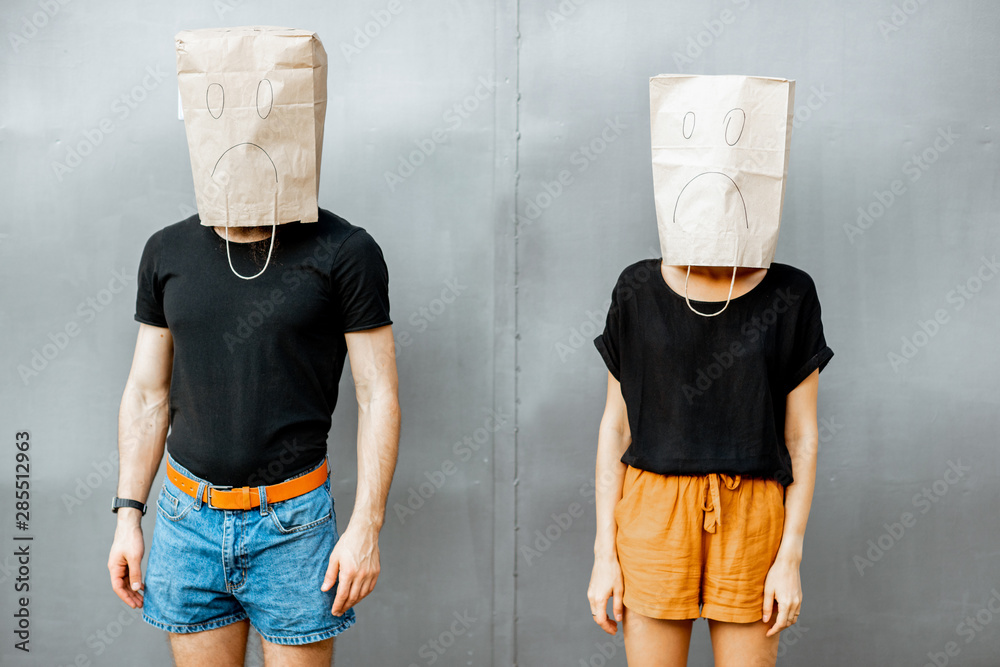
126,502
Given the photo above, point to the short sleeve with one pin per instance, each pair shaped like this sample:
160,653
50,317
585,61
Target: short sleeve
609,342
149,291
809,348
361,283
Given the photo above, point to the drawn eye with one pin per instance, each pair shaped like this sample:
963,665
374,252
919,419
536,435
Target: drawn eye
688,128
215,99
735,120
265,98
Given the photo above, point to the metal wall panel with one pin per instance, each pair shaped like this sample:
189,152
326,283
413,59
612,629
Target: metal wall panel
518,136
888,95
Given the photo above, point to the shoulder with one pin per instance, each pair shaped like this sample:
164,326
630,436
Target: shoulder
790,273
346,238
639,275
794,279
633,286
352,253
177,231
796,288
171,234
332,225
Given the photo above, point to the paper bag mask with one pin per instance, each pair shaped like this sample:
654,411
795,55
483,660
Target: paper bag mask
720,159
254,101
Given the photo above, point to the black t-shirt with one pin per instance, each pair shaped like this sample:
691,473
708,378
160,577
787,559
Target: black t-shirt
707,394
257,362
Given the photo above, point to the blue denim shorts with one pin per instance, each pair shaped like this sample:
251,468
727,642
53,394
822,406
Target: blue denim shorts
211,567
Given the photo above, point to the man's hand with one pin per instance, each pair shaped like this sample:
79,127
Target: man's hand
356,560
125,560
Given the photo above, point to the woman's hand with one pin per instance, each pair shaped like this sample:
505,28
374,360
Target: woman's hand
605,582
782,585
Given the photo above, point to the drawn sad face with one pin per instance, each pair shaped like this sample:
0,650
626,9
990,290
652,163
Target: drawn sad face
719,149
245,171
712,197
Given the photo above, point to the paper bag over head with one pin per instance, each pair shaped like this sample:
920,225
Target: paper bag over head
720,159
254,101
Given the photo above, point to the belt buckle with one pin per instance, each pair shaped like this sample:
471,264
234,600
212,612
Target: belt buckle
220,487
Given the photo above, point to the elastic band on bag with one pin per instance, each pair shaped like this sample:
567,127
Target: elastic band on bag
274,228
736,249
688,302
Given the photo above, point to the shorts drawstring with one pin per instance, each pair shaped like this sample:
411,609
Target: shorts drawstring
713,516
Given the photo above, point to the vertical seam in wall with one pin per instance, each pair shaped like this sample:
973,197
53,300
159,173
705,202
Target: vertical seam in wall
517,328
503,625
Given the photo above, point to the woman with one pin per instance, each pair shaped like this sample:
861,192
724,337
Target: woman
706,458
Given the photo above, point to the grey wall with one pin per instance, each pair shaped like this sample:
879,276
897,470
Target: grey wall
879,87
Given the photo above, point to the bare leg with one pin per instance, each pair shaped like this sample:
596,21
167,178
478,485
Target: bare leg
654,642
743,644
220,647
316,654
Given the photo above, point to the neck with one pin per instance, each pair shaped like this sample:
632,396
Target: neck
245,234
711,283
718,272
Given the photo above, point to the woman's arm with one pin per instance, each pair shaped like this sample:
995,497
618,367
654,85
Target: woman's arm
613,439
802,440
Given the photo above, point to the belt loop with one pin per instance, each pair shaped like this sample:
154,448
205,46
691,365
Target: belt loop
201,490
263,499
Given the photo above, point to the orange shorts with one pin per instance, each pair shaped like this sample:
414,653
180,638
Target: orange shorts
686,541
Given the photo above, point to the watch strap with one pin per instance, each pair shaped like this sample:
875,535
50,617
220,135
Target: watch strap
118,503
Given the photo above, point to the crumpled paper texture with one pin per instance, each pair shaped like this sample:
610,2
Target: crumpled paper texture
720,161
254,103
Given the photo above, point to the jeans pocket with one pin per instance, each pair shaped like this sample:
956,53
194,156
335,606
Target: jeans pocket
173,504
310,510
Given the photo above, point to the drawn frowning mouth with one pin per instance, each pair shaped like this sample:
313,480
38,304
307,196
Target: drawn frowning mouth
245,160
707,195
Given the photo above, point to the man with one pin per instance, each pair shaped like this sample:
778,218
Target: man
153,399
242,362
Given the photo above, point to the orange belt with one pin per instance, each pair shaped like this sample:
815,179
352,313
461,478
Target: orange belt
713,517
248,497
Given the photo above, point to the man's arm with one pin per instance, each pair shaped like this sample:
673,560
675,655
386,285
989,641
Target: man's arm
802,439
356,557
143,419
